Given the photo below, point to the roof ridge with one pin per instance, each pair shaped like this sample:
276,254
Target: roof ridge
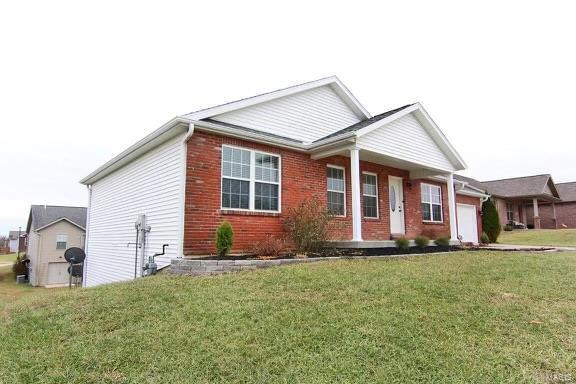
566,182
516,178
262,94
58,206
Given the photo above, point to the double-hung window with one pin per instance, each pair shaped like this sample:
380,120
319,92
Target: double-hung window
431,203
336,190
250,180
370,195
510,212
61,241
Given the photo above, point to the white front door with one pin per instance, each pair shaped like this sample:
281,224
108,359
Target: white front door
396,204
467,223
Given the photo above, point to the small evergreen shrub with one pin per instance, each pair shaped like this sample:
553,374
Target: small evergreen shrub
402,243
19,267
422,241
508,228
307,226
224,238
484,239
491,220
269,247
442,241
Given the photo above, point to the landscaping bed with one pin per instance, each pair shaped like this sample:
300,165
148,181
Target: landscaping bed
338,252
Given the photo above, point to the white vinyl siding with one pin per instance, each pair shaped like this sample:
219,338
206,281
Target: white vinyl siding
150,185
304,116
406,139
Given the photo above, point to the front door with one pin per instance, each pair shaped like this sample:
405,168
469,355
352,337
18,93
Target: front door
396,203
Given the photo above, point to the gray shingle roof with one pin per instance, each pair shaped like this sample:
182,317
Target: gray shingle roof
41,215
13,235
521,186
473,182
364,123
567,191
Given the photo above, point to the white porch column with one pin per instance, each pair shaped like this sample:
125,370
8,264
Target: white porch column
356,208
452,207
536,213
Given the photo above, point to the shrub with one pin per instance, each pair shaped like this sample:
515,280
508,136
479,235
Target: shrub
442,241
224,238
484,239
19,267
491,220
508,228
422,241
402,243
270,246
307,226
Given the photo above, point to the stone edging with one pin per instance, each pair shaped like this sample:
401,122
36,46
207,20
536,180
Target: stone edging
195,267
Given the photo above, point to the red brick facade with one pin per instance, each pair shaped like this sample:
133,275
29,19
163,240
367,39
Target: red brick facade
301,178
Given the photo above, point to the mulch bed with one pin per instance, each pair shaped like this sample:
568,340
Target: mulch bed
345,252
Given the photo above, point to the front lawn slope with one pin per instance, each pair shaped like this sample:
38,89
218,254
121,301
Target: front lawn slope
471,317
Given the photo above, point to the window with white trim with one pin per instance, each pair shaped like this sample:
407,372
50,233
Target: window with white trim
510,212
250,180
431,203
61,241
370,195
336,188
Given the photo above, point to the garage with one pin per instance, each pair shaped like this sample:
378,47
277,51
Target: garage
57,273
467,223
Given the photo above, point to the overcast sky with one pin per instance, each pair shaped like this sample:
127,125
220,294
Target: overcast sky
80,83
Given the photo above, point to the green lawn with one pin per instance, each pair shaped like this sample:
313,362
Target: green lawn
558,237
466,317
9,257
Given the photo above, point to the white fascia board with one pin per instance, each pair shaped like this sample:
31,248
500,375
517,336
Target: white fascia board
431,127
160,135
336,84
58,220
466,189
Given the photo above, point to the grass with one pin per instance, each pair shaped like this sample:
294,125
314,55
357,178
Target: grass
467,317
558,237
8,258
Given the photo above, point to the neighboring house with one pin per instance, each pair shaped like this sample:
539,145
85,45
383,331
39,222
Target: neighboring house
17,241
535,201
566,209
51,230
251,161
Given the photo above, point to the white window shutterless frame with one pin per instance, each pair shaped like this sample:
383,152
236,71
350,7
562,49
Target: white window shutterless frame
250,180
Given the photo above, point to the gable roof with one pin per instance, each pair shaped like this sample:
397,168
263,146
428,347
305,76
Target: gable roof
330,116
333,81
13,235
42,216
364,123
526,186
567,191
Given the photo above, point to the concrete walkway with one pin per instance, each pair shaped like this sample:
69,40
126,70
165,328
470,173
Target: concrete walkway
515,247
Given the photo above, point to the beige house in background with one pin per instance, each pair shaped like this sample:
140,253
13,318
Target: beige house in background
51,230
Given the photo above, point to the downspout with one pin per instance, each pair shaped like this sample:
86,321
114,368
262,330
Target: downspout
84,268
180,250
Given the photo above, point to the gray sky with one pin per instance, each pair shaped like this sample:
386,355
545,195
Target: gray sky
79,83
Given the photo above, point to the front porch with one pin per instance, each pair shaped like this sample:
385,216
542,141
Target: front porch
398,192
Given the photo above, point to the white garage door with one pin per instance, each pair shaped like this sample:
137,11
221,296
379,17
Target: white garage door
57,273
467,223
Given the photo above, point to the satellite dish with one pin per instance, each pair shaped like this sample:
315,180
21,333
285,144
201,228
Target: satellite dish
74,255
